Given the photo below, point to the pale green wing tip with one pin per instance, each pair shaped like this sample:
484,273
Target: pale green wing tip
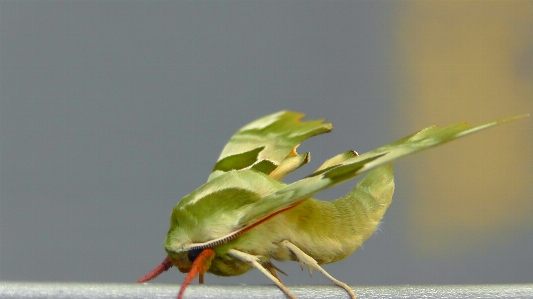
290,164
336,160
491,124
427,138
507,119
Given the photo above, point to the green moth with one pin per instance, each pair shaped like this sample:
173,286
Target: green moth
244,216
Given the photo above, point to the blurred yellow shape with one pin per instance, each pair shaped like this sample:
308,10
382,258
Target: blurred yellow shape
469,60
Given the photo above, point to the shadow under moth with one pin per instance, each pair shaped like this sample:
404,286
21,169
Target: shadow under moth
244,216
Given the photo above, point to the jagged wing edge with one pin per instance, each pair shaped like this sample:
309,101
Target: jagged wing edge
352,167
266,142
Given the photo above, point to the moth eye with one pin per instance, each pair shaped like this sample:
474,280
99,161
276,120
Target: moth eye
193,254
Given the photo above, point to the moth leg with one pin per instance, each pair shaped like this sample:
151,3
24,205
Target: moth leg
308,261
254,262
272,269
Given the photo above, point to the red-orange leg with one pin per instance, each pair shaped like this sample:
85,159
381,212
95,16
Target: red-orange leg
200,265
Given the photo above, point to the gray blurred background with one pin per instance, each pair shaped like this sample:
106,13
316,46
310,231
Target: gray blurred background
111,111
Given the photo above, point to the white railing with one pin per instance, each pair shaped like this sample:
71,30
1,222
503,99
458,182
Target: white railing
136,291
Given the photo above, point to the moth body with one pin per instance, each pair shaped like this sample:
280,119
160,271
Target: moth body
244,216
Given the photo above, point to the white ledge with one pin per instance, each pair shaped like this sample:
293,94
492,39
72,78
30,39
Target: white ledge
101,291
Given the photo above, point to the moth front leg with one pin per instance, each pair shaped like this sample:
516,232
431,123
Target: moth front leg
254,262
308,261
272,269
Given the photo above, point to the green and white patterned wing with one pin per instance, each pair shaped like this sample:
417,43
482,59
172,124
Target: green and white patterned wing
268,145
346,166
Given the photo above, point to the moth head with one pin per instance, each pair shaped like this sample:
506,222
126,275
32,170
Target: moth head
205,219
181,250
183,260
178,240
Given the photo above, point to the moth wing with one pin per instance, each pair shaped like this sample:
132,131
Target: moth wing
212,211
337,160
348,168
267,142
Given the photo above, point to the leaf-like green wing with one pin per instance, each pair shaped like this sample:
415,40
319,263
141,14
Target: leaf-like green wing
266,143
331,174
